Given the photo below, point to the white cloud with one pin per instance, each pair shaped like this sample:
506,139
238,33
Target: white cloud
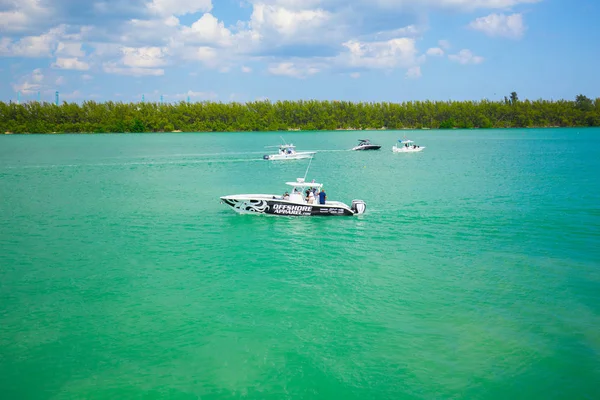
208,30
435,52
444,44
69,49
113,68
292,70
21,15
355,75
60,81
179,7
414,72
461,5
407,31
400,52
509,26
149,32
36,46
465,56
144,57
46,44
299,25
194,95
70,63
246,70
206,55
87,77
30,83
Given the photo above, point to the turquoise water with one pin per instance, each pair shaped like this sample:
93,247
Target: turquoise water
474,273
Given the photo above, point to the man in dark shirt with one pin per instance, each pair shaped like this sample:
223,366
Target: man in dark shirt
322,196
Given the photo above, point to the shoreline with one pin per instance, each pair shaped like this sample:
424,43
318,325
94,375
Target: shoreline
303,130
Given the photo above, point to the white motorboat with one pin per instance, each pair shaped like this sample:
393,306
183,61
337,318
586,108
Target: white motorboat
406,146
288,152
293,203
365,144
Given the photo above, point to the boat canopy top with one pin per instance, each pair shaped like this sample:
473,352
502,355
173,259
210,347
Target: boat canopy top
405,141
301,183
364,140
282,146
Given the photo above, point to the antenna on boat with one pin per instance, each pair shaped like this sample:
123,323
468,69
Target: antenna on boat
306,173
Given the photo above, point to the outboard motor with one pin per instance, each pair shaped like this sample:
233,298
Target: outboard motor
358,206
266,157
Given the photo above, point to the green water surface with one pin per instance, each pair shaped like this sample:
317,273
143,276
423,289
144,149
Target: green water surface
474,273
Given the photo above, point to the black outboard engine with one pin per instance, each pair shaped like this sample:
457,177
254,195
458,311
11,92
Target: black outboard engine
358,206
266,157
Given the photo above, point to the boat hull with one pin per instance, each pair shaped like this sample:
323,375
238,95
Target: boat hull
267,204
367,147
296,156
407,149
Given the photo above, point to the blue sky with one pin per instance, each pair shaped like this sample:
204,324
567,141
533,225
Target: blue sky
243,50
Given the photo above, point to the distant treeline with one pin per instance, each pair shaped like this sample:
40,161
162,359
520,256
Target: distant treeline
90,116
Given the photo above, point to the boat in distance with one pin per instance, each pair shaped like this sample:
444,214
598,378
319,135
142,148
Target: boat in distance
293,204
365,144
288,152
406,146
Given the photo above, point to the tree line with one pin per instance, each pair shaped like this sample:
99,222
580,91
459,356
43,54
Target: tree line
91,116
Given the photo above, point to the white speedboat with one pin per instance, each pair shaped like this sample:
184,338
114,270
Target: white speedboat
406,146
365,144
288,152
293,203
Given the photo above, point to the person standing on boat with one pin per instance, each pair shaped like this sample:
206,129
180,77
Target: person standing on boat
311,197
322,196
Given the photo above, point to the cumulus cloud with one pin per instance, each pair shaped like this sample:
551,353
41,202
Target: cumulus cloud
179,7
144,57
208,30
296,38
72,49
35,81
394,53
466,5
444,44
35,46
288,24
194,95
114,68
500,25
292,70
21,15
70,63
465,56
414,72
435,52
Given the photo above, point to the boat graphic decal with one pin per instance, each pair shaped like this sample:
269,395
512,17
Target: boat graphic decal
253,206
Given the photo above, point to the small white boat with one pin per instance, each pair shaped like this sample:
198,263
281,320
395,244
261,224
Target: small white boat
406,146
293,203
288,152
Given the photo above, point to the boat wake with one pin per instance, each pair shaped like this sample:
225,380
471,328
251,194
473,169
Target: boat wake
124,164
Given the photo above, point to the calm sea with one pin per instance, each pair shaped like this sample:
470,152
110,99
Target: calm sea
474,273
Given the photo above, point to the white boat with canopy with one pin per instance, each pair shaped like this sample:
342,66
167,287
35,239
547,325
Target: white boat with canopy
406,146
302,200
288,152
